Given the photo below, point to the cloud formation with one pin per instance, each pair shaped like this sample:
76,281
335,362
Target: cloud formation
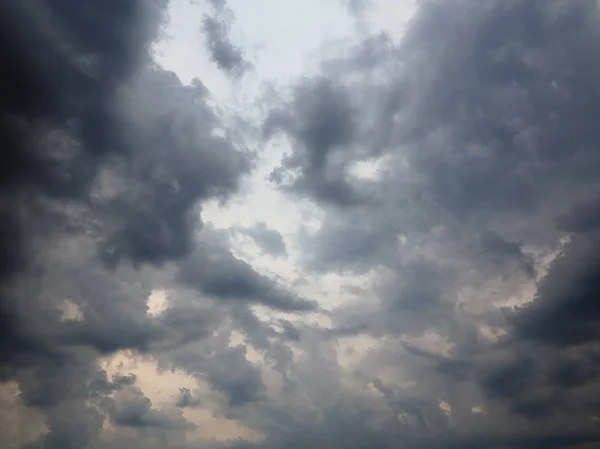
224,53
269,240
451,183
481,121
107,159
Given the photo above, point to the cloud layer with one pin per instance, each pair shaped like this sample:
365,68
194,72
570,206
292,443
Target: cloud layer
446,184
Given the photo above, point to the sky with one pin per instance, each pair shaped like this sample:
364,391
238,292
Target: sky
333,224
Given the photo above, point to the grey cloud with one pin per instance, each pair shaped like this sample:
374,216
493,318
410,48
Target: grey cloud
133,409
483,117
236,382
425,414
262,335
476,165
114,313
321,123
422,290
350,242
565,310
216,272
235,376
155,214
503,252
185,324
69,401
224,53
510,378
71,426
582,217
417,297
121,380
105,158
290,331
554,439
227,370
268,239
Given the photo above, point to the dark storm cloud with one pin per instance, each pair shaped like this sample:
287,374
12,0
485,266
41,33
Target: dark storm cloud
155,214
224,53
484,122
71,427
270,341
235,380
71,394
121,380
565,311
60,81
582,217
497,249
483,117
105,157
485,164
216,272
236,377
355,244
106,149
509,379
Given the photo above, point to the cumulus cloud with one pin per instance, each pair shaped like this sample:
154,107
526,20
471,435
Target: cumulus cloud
107,158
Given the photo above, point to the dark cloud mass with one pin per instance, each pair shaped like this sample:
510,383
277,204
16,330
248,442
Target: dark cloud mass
215,271
467,313
482,118
320,122
106,158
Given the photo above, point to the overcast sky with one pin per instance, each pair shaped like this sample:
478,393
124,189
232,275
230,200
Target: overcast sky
268,224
